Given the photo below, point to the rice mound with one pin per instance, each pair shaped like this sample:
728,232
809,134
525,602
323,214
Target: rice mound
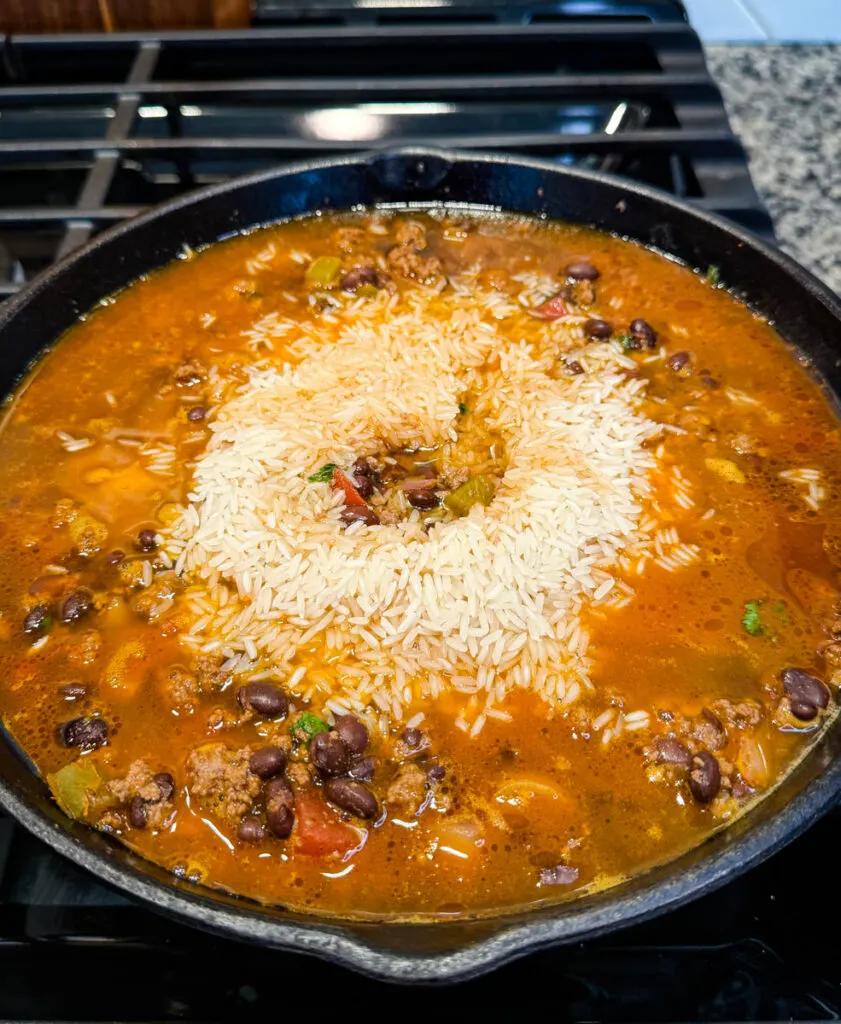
374,619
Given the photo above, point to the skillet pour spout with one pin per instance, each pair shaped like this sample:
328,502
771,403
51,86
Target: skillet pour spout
431,950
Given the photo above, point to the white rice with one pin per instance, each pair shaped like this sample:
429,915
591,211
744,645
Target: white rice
480,606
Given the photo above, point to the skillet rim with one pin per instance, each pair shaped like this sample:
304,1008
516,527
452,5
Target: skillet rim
335,939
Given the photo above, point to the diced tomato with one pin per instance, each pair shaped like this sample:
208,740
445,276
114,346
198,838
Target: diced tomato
342,482
554,309
317,830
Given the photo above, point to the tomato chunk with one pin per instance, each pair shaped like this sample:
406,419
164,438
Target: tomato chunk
554,309
342,482
317,830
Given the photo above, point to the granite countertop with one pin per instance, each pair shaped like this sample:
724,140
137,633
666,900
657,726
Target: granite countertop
785,104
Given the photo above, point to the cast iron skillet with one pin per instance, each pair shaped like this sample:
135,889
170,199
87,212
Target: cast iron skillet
805,313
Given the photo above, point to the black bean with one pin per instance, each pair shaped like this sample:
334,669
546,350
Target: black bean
423,500
73,691
804,691
680,363
363,769
805,712
137,813
574,367
76,606
364,477
352,732
329,754
115,557
268,762
355,278
165,783
709,731
352,796
601,330
560,874
704,777
643,330
250,829
264,698
280,821
37,620
197,414
278,791
280,803
583,270
671,751
412,738
88,733
146,540
436,773
359,514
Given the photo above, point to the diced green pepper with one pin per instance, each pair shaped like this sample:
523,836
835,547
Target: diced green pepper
323,271
368,291
75,787
478,490
310,724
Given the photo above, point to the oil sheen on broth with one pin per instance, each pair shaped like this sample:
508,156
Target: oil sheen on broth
565,516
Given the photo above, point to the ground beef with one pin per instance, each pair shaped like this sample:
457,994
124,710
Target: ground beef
226,718
411,232
154,600
408,262
298,774
183,687
130,573
87,533
218,778
191,371
350,239
210,674
140,782
408,789
708,731
454,476
180,688
743,714
581,293
85,648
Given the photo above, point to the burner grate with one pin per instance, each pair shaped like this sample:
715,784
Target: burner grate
94,129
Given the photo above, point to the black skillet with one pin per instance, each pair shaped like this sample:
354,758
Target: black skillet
803,310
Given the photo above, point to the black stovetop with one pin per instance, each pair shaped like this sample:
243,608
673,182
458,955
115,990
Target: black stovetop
94,129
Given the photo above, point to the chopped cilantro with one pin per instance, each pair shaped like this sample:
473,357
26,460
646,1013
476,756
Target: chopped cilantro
323,475
310,724
46,624
756,621
714,275
628,342
751,620
462,408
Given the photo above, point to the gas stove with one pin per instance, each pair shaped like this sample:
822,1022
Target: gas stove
94,129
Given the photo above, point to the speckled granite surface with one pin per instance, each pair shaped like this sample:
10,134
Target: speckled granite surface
785,104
